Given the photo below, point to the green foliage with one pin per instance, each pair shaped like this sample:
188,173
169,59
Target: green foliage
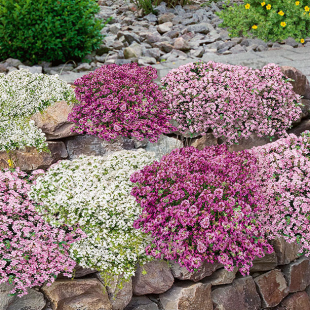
49,30
270,20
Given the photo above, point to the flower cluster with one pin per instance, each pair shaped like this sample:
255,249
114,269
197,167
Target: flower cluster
233,101
202,205
32,252
94,192
284,170
120,101
23,94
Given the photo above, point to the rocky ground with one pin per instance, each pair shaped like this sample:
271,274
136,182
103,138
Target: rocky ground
174,34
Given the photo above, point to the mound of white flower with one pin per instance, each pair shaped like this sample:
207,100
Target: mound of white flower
23,94
94,192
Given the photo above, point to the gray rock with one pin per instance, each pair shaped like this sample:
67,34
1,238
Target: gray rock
147,60
165,27
291,41
172,34
115,28
34,300
163,146
200,28
151,18
238,49
261,48
164,46
152,52
12,62
220,277
83,67
129,36
33,70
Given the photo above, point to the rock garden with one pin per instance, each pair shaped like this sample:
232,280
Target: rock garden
119,193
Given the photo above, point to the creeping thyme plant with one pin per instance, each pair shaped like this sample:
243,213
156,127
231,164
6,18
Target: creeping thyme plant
23,94
32,252
233,101
202,205
269,20
94,192
284,170
120,101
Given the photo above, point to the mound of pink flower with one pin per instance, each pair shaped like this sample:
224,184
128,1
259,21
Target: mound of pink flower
120,101
202,205
284,170
232,101
32,252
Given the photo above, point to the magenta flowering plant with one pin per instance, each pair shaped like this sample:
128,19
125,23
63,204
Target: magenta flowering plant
32,252
120,101
232,101
284,170
202,205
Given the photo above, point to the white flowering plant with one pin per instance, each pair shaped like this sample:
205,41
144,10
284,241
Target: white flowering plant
22,94
95,193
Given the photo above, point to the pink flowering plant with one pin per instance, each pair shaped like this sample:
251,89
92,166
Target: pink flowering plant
32,252
120,101
202,205
284,170
232,101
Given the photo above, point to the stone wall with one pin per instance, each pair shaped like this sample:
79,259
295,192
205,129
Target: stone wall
280,280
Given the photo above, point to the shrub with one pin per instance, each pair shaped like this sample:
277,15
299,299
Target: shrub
120,101
32,252
23,94
50,30
201,205
270,21
232,101
284,169
94,192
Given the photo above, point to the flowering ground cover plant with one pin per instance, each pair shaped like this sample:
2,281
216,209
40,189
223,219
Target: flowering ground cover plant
270,20
32,252
233,101
202,205
284,170
120,101
23,94
94,192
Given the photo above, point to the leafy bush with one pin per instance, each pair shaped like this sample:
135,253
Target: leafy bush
94,192
202,205
274,20
32,252
23,94
284,169
233,101
120,101
50,30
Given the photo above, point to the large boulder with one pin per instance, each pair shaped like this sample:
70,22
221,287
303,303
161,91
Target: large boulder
30,159
272,287
205,270
157,279
86,294
187,296
297,274
241,295
53,121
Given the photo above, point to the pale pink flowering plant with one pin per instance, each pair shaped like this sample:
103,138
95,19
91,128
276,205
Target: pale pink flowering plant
284,171
202,205
120,101
232,101
32,252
